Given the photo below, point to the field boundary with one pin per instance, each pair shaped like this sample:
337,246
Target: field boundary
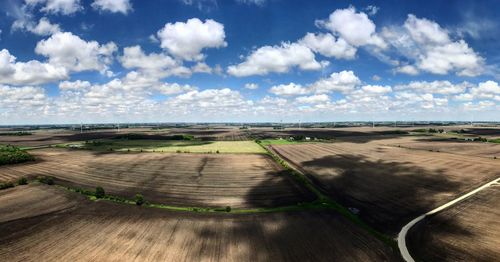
325,200
405,253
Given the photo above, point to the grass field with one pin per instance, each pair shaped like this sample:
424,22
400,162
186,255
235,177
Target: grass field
170,146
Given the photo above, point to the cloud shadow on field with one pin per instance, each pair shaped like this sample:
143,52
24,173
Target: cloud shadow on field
387,194
346,136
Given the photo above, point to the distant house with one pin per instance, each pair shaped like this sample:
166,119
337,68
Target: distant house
308,138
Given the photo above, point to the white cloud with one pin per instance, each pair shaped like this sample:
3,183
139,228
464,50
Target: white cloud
174,88
28,73
376,78
314,99
113,6
375,89
202,67
75,85
187,40
356,28
251,86
486,90
430,48
328,46
75,54
407,69
372,9
291,89
65,7
344,82
255,2
279,59
23,100
435,87
43,28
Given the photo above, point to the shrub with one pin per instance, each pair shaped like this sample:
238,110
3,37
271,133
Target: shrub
99,192
22,181
217,151
178,151
45,180
13,155
6,185
228,209
139,199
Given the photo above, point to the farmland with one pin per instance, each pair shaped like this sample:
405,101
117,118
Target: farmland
215,194
389,185
237,180
106,231
469,231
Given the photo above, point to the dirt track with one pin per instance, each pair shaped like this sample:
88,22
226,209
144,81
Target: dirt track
389,185
468,231
216,180
103,231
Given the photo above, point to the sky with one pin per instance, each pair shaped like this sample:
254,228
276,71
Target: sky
118,61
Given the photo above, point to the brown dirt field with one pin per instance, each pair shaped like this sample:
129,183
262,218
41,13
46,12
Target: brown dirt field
215,180
32,200
480,149
104,231
389,185
468,231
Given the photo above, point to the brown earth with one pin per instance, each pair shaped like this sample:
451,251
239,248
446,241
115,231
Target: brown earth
215,180
104,231
468,231
389,185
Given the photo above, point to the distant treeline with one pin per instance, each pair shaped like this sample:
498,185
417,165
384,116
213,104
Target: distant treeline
134,136
20,133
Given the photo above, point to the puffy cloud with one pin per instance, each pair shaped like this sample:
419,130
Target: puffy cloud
254,2
201,67
435,87
113,6
356,28
488,90
291,89
251,86
75,54
375,89
174,88
65,7
187,40
314,99
407,69
43,28
430,48
328,46
279,59
344,81
75,85
134,57
28,73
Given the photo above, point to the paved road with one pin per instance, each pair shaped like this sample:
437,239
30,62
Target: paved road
402,234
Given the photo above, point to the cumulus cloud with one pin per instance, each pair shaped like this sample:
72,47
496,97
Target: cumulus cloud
32,72
435,87
290,89
43,28
431,49
75,85
314,99
251,86
355,27
113,6
187,40
278,59
65,7
202,67
343,82
328,46
75,54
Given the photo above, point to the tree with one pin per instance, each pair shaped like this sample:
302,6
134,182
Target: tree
99,192
22,181
139,199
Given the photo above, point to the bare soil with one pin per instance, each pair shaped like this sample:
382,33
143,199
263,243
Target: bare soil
389,185
214,180
104,231
468,231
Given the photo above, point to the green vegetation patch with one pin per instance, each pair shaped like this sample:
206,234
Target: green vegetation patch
13,155
170,146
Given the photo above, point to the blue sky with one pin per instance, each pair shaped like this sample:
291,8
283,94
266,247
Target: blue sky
71,61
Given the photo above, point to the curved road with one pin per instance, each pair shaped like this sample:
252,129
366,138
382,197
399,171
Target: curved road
402,234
